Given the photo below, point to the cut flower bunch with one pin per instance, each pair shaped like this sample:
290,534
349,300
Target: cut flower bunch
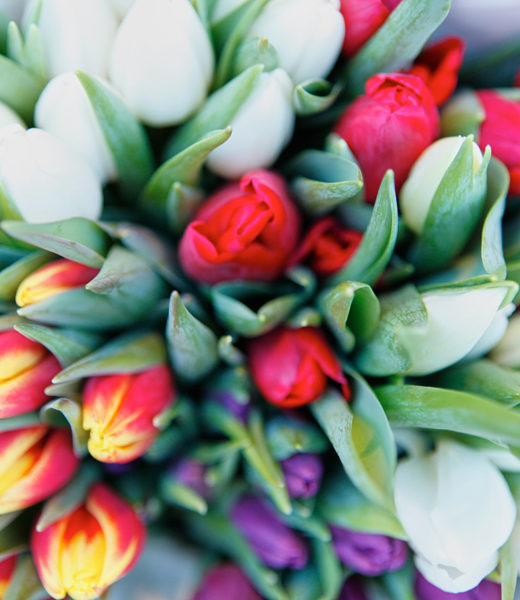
259,277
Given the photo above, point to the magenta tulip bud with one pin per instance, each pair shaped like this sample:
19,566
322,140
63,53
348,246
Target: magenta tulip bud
369,553
303,473
225,582
274,542
485,590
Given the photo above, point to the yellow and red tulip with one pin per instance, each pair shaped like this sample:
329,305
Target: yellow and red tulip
35,462
26,369
85,551
58,276
6,572
119,411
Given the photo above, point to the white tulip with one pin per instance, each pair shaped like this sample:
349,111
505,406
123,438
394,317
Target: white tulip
493,334
76,34
8,116
64,111
222,8
13,9
507,352
162,61
307,35
260,130
418,190
457,511
43,179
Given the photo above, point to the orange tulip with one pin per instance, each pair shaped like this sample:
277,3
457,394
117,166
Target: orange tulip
58,276
35,462
85,551
26,369
120,410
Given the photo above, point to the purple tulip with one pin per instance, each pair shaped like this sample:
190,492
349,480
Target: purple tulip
302,474
226,582
352,590
272,541
369,553
485,590
237,409
192,474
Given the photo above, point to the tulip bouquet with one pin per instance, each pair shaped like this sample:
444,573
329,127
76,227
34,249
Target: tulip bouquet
259,268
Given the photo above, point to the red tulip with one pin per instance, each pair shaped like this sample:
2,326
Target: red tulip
35,462
26,369
328,246
247,230
501,130
438,66
291,367
119,412
56,277
88,549
362,19
389,127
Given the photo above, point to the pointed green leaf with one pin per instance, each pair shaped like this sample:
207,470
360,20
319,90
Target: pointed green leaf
182,495
379,239
330,570
20,421
125,136
221,29
192,346
128,353
254,51
13,275
29,52
25,583
181,205
314,96
19,88
362,438
77,239
437,408
53,412
323,180
397,42
218,111
508,571
67,345
229,353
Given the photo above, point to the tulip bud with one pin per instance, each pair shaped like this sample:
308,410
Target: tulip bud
239,410
328,246
120,411
43,180
485,590
291,367
302,473
66,28
192,474
9,117
455,537
163,82
307,35
274,542
36,462
64,111
397,111
369,553
260,130
6,572
493,334
26,368
362,19
246,230
438,66
427,174
85,551
226,581
55,277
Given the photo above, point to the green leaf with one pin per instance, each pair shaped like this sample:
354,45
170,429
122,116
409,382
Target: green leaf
67,345
229,302
25,583
451,410
379,239
218,111
400,584
124,135
361,436
13,275
397,42
330,570
14,535
20,421
345,506
321,181
193,347
128,353
314,96
352,311
485,378
77,239
254,51
508,571
454,212
53,413
19,88
68,498
29,52
229,353
286,436
182,495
